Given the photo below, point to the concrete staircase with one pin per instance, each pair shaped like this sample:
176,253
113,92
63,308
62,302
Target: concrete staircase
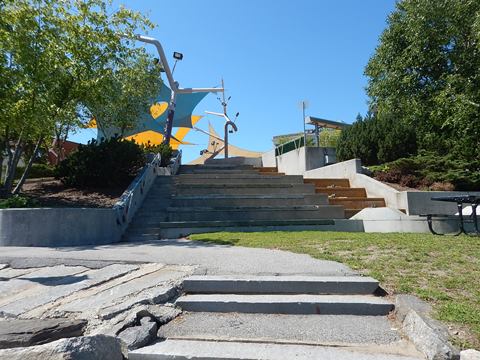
204,198
339,192
236,317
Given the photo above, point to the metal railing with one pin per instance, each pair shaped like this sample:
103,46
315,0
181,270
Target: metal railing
291,145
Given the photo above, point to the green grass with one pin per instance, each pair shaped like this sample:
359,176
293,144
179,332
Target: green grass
445,271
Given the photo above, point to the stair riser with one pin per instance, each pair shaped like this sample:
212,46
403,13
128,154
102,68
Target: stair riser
235,180
328,182
278,287
174,233
288,308
248,202
328,212
355,204
299,189
352,192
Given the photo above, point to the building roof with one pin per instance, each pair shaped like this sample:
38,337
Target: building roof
325,123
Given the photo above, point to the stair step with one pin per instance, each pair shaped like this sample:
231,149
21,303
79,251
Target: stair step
181,180
243,213
241,189
344,330
342,191
225,284
358,203
287,304
328,182
229,350
249,200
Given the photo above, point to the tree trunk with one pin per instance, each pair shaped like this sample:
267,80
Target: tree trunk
12,167
28,167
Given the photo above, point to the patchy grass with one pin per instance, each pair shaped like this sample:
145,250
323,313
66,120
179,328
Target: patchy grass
445,271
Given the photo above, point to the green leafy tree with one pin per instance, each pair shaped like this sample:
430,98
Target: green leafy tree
425,73
55,55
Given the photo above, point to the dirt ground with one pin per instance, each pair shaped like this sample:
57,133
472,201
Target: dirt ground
49,192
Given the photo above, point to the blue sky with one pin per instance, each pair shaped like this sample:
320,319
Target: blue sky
272,54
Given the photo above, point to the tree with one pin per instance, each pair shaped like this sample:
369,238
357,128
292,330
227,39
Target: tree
53,55
425,73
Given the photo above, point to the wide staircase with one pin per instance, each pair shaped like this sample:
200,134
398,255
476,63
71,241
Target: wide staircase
238,317
203,198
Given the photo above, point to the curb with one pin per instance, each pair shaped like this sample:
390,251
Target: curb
428,335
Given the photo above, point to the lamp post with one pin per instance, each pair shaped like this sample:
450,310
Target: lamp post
174,85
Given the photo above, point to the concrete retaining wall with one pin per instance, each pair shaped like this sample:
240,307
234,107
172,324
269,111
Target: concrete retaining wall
268,159
299,161
79,226
58,227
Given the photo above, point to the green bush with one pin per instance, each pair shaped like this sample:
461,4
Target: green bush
376,140
101,164
37,171
164,150
17,201
428,169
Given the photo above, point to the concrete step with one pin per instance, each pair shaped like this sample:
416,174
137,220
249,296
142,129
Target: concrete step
228,350
212,168
173,230
240,189
328,182
249,200
341,330
358,203
234,284
342,191
237,179
267,169
242,213
287,304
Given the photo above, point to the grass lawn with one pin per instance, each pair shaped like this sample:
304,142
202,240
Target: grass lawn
445,271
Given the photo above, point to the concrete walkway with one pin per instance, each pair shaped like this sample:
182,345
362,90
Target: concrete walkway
210,258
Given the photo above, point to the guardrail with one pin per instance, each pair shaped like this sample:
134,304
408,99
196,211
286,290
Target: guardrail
291,145
132,198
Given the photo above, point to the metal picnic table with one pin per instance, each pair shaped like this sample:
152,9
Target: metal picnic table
472,200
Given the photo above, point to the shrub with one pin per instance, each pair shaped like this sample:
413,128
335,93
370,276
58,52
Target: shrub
431,171
37,171
111,162
164,150
376,140
17,201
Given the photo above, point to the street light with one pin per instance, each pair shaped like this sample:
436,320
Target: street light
174,85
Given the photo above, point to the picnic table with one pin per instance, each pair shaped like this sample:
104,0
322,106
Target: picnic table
472,200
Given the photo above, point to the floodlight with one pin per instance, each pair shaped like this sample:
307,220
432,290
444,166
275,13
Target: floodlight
177,56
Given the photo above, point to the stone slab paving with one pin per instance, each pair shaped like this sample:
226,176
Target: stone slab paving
82,293
41,294
312,329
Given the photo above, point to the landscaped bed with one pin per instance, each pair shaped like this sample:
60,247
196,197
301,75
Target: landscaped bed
445,271
53,193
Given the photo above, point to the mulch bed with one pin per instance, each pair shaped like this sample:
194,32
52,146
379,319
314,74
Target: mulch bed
49,192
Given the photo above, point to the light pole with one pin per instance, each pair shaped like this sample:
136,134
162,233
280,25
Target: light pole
174,85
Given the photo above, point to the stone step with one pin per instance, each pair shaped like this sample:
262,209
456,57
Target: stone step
346,330
234,179
242,213
173,230
358,203
328,182
229,350
184,169
239,189
248,200
342,191
287,304
234,284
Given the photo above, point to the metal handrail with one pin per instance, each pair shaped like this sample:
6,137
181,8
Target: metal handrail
279,148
